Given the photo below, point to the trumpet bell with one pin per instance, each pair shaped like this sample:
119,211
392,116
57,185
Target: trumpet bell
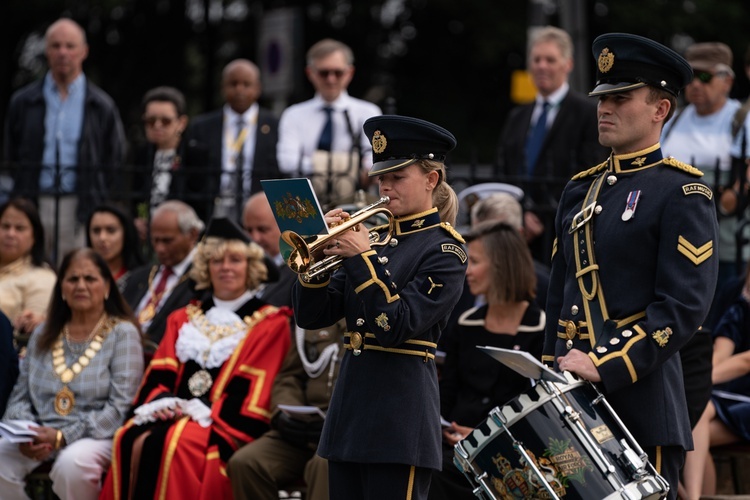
307,257
303,251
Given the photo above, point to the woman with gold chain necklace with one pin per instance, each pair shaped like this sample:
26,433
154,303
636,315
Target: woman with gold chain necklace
207,390
77,381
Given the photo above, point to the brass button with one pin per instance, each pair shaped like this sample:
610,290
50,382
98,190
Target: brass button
360,322
393,242
574,310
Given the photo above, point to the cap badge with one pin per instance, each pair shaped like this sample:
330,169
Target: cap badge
606,60
379,142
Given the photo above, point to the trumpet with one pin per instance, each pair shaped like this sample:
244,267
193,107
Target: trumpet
307,257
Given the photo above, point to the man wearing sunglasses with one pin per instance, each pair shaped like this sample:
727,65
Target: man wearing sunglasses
701,134
322,137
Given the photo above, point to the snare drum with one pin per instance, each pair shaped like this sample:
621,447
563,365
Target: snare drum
557,441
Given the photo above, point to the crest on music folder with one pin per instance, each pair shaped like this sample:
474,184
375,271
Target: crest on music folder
295,208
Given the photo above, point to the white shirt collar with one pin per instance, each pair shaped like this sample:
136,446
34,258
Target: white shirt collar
234,304
179,269
556,97
250,116
339,103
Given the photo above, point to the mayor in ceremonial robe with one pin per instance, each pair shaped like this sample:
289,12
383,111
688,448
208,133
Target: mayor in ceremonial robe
207,390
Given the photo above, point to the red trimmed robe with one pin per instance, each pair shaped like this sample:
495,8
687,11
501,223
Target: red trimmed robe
181,459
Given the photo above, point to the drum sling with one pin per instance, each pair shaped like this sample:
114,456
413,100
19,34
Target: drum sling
587,270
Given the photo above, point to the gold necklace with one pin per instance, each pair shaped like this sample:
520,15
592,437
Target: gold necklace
201,381
65,399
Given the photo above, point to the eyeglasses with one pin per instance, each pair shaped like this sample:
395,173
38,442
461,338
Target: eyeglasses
325,73
165,121
706,76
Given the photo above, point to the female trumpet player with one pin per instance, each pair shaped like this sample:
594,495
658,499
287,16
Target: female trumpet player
382,432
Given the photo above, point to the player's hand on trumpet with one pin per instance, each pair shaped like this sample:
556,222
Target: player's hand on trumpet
346,243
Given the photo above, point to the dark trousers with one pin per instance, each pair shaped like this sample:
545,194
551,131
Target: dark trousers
450,483
667,460
354,481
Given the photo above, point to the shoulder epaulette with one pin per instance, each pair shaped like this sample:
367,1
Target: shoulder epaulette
673,162
456,235
591,171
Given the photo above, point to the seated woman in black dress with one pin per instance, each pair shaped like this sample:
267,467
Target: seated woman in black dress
472,383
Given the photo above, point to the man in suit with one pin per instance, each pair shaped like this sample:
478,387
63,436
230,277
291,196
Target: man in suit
545,142
260,224
240,134
153,292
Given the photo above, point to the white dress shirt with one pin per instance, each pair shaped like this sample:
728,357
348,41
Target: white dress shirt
172,281
229,150
300,126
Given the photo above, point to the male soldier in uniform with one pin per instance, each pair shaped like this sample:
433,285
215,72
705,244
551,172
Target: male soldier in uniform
286,453
635,264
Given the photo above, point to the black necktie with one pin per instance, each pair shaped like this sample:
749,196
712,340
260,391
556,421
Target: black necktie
326,136
239,165
536,139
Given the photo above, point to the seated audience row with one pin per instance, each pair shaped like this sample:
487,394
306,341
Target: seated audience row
78,378
726,419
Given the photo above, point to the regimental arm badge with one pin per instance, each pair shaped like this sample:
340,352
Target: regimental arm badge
432,287
382,322
662,336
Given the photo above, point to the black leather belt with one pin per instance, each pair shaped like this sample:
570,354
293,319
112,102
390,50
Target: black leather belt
358,342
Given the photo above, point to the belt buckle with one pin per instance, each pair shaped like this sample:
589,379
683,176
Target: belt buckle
571,330
582,217
356,342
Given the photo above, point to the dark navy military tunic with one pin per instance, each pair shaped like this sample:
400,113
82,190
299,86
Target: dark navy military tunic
656,279
385,406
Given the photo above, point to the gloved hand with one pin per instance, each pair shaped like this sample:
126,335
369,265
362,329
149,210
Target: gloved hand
300,433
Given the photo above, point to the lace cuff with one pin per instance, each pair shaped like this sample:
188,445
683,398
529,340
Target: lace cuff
194,408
